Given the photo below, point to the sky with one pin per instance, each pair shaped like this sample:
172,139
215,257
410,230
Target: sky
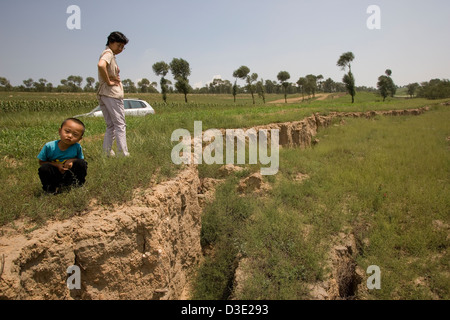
217,37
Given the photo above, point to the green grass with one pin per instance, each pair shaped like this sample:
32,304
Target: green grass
22,136
221,230
393,175
386,181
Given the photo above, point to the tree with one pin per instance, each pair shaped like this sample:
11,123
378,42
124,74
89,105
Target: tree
63,87
319,82
28,84
40,85
49,87
349,82
434,89
283,77
260,89
235,90
391,85
383,86
182,86
344,61
242,74
250,86
412,87
89,85
128,86
74,82
219,86
328,85
143,85
311,84
270,86
71,84
161,69
339,87
386,85
5,85
302,84
181,71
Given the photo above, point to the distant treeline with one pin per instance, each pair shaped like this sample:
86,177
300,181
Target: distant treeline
433,89
217,86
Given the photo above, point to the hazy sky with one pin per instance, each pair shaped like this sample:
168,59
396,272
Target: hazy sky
217,37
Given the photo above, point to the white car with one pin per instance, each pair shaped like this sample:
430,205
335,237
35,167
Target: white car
133,107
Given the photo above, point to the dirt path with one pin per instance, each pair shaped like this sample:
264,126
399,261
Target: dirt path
320,96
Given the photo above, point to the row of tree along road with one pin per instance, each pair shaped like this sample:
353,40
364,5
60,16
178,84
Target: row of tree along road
180,69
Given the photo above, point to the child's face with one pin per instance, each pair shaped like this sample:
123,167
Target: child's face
71,132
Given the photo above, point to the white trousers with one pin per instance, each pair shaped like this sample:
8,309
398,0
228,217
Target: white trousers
114,114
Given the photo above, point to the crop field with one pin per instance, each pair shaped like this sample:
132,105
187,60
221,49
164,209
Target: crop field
385,181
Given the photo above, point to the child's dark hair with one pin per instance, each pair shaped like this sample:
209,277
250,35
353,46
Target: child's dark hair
117,36
76,121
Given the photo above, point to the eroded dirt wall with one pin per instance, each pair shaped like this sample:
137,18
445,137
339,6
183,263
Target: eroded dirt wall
144,250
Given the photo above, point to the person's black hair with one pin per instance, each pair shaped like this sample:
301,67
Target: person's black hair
117,36
76,121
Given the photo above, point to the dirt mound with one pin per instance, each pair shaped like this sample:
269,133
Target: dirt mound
253,184
301,133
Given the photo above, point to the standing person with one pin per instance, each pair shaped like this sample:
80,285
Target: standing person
110,95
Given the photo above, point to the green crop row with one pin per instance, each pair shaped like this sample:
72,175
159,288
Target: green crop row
46,105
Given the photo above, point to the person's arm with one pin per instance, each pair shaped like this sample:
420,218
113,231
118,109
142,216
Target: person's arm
58,165
102,68
69,163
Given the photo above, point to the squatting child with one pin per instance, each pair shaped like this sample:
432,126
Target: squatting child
62,161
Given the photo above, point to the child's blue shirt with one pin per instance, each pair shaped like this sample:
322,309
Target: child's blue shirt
51,152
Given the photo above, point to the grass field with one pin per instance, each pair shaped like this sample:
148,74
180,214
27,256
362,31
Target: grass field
385,180
24,132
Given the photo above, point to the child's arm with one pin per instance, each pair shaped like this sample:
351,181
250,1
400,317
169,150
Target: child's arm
58,165
69,163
